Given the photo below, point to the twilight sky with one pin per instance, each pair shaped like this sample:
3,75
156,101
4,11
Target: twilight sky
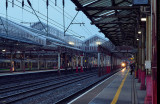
55,14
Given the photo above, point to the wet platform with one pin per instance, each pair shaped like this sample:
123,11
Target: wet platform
120,88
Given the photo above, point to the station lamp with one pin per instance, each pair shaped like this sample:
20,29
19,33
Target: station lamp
71,43
139,32
98,43
143,19
137,39
3,50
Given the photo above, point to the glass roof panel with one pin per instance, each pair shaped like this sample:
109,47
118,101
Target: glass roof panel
102,3
84,2
124,4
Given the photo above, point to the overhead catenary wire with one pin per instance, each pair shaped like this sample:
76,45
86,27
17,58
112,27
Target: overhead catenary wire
45,19
70,17
36,14
70,31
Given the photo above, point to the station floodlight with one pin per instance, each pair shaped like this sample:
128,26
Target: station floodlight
137,39
143,19
98,43
3,50
139,32
71,43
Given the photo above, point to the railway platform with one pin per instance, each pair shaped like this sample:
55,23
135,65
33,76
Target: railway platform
120,88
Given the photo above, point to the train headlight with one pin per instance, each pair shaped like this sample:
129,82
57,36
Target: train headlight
123,64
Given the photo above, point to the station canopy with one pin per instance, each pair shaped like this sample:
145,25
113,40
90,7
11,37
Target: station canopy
118,20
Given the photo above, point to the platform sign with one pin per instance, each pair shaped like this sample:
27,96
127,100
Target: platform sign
147,64
140,2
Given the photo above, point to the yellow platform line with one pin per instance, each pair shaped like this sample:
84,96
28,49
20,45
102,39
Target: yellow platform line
119,90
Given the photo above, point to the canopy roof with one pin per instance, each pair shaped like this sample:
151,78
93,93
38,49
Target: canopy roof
117,19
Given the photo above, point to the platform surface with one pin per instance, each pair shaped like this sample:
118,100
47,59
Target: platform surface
117,89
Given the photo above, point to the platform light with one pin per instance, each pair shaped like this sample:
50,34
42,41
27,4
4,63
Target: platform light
71,43
139,32
3,50
98,43
18,52
137,39
143,19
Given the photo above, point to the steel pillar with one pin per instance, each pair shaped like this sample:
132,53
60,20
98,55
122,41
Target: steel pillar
12,63
59,61
81,63
143,72
148,98
140,59
154,50
77,64
38,63
98,62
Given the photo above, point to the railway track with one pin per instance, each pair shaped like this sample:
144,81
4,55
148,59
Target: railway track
19,92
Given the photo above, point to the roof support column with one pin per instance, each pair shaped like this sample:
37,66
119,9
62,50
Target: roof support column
148,98
98,62
81,63
139,59
59,61
99,59
154,50
38,62
143,72
12,62
76,63
22,64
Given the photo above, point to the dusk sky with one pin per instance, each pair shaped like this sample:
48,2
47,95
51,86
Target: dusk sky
55,16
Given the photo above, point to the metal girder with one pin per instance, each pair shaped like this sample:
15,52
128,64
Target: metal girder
120,31
124,1
112,23
116,16
92,3
108,8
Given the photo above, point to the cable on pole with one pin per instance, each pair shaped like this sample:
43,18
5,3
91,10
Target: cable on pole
12,3
71,21
22,9
55,2
63,17
36,14
7,16
47,3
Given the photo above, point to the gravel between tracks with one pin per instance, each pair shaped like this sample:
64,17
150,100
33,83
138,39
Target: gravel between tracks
50,97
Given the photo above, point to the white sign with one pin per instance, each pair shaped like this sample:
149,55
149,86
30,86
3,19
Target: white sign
147,64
